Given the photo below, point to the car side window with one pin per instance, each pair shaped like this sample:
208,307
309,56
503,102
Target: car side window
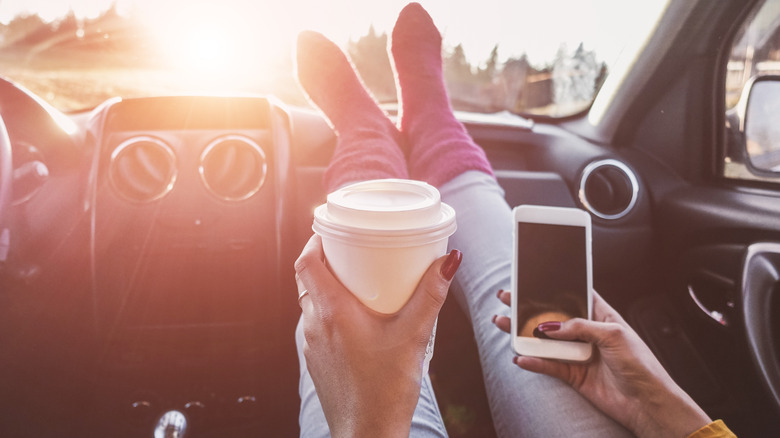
752,138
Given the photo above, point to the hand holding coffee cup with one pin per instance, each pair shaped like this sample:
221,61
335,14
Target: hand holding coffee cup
366,366
379,238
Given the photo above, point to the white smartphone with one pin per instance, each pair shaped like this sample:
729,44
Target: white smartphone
552,279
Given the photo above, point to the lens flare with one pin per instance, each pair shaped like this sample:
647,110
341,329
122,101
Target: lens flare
200,43
210,46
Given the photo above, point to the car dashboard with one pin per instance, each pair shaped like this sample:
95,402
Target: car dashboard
164,225
152,242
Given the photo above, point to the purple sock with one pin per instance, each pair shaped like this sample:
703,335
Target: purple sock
368,141
440,146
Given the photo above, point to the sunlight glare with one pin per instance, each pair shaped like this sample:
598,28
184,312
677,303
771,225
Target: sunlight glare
209,44
206,50
199,39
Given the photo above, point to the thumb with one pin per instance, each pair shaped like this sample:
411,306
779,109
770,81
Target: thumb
433,287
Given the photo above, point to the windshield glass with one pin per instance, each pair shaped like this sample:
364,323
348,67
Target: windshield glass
523,56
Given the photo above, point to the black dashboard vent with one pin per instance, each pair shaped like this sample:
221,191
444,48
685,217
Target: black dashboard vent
608,189
143,169
233,167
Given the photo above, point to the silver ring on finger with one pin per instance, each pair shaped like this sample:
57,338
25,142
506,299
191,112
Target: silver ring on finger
302,294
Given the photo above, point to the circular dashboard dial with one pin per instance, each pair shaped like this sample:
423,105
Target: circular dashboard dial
233,167
143,169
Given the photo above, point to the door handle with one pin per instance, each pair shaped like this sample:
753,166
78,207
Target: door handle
719,317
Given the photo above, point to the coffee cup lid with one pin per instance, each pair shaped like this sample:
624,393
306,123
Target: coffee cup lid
387,210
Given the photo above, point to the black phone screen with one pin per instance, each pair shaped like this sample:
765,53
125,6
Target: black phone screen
552,277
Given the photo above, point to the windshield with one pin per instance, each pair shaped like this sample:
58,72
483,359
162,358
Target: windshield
545,58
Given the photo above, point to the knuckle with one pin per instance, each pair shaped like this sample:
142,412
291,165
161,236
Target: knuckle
435,292
613,332
309,339
438,295
575,324
308,354
321,325
309,335
301,263
327,320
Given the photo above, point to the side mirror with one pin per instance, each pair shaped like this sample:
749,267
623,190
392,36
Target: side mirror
761,125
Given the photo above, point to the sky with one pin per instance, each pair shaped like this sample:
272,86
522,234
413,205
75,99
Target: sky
534,27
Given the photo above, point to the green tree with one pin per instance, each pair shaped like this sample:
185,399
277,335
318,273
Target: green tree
489,72
457,68
575,78
369,55
513,81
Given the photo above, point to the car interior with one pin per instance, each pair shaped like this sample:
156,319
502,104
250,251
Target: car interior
147,245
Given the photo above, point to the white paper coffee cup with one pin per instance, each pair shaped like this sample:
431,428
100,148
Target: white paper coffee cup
380,236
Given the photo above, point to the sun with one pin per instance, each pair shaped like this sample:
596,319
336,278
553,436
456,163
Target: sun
206,48
202,38
207,43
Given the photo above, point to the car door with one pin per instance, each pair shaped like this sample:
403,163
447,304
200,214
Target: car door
711,310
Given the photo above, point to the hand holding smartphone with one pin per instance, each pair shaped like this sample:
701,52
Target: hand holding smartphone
552,278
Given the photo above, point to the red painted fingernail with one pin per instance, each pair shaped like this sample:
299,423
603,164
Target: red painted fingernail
549,326
451,265
495,317
499,293
514,359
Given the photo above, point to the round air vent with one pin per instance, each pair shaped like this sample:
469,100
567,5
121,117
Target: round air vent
233,167
143,169
608,189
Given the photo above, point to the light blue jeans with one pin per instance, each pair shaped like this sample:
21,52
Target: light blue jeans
523,404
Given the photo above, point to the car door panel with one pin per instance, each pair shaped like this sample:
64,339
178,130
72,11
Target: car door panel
697,322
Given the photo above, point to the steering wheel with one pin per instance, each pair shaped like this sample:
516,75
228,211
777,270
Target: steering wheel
6,179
